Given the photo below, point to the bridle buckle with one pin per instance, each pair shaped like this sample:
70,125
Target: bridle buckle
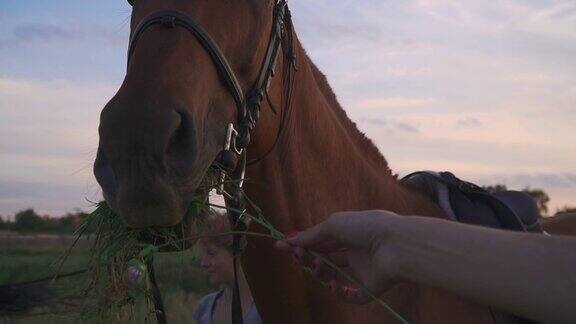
228,151
230,143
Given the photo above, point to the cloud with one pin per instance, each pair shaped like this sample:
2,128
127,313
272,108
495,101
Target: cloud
501,128
46,197
50,118
545,19
324,31
481,88
48,139
44,32
41,32
374,121
390,126
556,20
406,127
439,144
560,180
561,187
561,10
395,103
34,189
469,122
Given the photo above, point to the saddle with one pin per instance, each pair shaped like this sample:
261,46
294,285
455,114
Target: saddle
468,203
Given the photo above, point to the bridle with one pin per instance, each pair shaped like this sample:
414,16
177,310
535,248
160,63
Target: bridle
232,159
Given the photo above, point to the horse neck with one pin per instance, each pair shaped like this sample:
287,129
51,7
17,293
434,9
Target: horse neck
323,164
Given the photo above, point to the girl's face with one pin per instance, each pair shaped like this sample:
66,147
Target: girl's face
217,261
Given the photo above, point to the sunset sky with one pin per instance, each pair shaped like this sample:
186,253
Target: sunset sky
485,89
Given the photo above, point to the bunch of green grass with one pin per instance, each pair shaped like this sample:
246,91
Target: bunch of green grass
114,247
118,247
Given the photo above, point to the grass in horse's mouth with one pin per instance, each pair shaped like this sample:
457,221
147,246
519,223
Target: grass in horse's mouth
117,271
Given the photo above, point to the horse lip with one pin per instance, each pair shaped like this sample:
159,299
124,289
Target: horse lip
110,201
185,191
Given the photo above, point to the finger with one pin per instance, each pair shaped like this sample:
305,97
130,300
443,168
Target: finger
329,247
339,258
283,245
350,294
323,272
305,258
355,296
310,237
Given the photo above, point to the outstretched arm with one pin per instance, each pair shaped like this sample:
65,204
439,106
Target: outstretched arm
526,274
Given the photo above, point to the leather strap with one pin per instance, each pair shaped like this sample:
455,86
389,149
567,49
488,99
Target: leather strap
236,206
173,18
282,23
237,314
156,296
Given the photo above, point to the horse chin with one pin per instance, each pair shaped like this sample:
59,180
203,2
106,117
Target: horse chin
183,239
181,235
164,208
185,230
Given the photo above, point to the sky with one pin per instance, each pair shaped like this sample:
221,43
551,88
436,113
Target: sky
485,89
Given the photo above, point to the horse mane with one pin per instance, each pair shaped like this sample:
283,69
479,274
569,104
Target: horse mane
363,142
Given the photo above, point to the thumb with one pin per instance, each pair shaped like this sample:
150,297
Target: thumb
310,237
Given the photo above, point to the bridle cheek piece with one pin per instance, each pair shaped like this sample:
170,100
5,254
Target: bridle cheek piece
237,137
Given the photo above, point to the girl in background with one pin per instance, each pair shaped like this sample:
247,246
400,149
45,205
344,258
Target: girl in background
217,260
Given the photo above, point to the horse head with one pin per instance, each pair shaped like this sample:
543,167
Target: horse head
167,124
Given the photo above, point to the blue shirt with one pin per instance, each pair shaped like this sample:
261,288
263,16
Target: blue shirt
205,309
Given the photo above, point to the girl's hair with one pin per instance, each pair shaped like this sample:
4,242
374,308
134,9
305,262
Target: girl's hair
215,225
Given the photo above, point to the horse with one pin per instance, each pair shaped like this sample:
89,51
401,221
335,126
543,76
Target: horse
166,125
560,224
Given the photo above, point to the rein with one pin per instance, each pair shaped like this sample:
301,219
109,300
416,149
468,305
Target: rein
233,157
156,296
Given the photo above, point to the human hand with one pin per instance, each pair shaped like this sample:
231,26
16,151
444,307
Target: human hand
359,243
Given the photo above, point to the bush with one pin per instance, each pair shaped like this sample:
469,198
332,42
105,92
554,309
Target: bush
566,210
28,221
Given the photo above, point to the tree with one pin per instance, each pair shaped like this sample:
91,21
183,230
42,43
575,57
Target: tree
541,197
28,221
70,222
495,188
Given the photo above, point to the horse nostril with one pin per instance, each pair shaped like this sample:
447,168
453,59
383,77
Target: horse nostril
104,173
179,149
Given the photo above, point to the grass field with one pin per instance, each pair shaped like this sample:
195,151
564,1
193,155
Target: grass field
181,281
